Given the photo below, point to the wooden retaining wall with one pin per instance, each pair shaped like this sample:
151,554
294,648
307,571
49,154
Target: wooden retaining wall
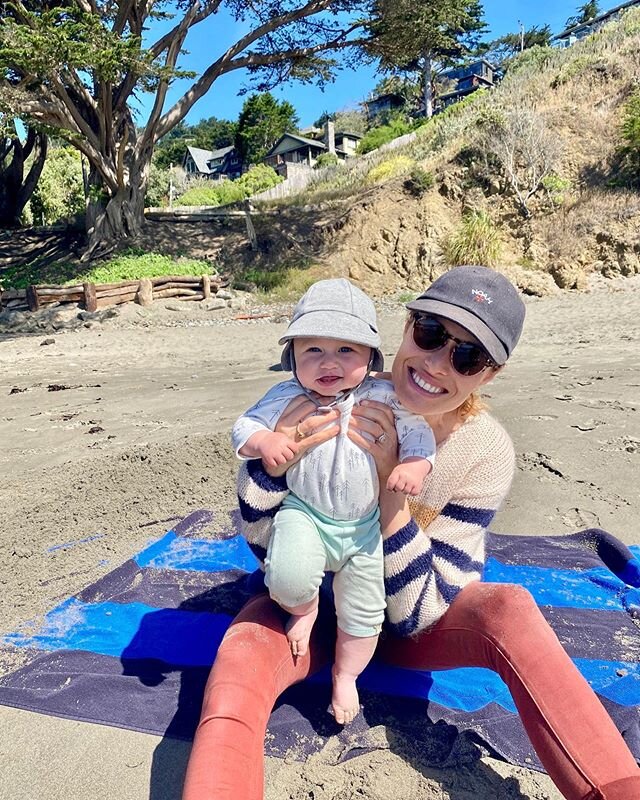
100,295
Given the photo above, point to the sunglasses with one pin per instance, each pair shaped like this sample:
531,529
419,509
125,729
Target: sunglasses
467,358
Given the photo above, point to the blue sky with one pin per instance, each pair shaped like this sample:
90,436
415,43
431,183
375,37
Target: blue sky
349,88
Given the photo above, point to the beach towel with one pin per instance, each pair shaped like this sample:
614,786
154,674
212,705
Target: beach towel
134,649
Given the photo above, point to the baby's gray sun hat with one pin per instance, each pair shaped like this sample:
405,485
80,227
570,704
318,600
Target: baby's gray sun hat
334,309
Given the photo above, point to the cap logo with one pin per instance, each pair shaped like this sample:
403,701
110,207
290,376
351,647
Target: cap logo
481,297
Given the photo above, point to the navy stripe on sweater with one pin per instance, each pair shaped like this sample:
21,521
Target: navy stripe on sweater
261,478
251,514
400,538
462,560
419,567
474,516
409,625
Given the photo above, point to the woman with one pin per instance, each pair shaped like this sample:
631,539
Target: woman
459,335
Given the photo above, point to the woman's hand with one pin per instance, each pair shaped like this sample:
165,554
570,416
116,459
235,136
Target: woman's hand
373,428
302,423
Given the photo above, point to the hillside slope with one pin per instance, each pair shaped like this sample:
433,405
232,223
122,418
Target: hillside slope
377,221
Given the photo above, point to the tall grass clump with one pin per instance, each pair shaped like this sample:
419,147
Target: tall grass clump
477,241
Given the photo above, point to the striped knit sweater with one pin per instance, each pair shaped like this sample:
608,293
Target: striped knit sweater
442,549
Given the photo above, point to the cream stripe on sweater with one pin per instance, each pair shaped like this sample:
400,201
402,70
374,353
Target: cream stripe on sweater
442,549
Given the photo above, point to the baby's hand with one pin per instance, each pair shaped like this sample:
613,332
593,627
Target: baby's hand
276,449
409,476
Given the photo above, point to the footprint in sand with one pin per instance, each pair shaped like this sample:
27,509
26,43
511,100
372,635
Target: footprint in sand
580,518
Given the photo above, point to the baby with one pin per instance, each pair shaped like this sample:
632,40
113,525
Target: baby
329,521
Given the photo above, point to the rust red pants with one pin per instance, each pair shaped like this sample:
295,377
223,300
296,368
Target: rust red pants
496,626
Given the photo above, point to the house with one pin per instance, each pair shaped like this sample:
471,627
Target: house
576,32
383,104
293,148
479,74
214,164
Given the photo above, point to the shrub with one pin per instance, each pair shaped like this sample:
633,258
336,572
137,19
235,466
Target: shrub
376,137
630,135
60,190
326,160
224,192
390,168
555,187
419,181
477,241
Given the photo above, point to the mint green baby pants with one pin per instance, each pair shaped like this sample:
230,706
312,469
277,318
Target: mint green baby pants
305,544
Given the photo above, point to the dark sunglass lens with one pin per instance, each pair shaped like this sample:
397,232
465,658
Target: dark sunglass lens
429,334
468,358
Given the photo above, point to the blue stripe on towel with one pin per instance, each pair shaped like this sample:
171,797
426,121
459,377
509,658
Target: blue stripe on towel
205,555
129,630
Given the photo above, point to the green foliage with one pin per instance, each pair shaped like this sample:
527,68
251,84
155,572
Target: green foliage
534,59
390,168
326,160
135,264
571,69
586,12
262,122
222,193
503,50
630,135
257,179
477,241
410,36
158,185
419,181
376,137
556,187
60,190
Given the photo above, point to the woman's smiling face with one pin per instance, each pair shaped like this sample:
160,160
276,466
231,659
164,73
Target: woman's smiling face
425,380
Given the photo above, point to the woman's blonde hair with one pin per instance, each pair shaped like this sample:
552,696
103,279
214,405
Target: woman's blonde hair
473,405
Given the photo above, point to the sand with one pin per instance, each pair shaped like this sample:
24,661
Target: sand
111,432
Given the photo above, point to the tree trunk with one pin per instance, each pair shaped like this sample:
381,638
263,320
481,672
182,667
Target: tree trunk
15,189
426,86
114,218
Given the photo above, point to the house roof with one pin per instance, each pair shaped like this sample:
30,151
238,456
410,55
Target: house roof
221,152
200,157
296,142
203,157
600,18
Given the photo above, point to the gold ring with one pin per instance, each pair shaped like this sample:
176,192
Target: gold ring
299,433
381,438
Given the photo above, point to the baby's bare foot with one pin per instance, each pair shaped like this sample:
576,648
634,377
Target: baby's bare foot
299,629
345,703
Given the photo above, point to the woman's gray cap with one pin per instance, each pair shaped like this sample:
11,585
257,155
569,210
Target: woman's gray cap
334,309
481,300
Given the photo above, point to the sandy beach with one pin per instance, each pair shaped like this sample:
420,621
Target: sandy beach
110,433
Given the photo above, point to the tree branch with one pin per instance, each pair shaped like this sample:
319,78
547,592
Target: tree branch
227,63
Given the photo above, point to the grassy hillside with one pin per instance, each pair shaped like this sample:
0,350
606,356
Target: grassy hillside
531,176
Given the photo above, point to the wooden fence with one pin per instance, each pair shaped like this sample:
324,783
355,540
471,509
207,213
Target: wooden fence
95,296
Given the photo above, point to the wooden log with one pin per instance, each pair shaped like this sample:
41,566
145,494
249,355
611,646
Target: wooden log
251,231
206,286
163,293
33,301
14,294
117,292
195,285
103,302
48,288
48,299
107,287
90,300
145,292
176,279
194,296
48,295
